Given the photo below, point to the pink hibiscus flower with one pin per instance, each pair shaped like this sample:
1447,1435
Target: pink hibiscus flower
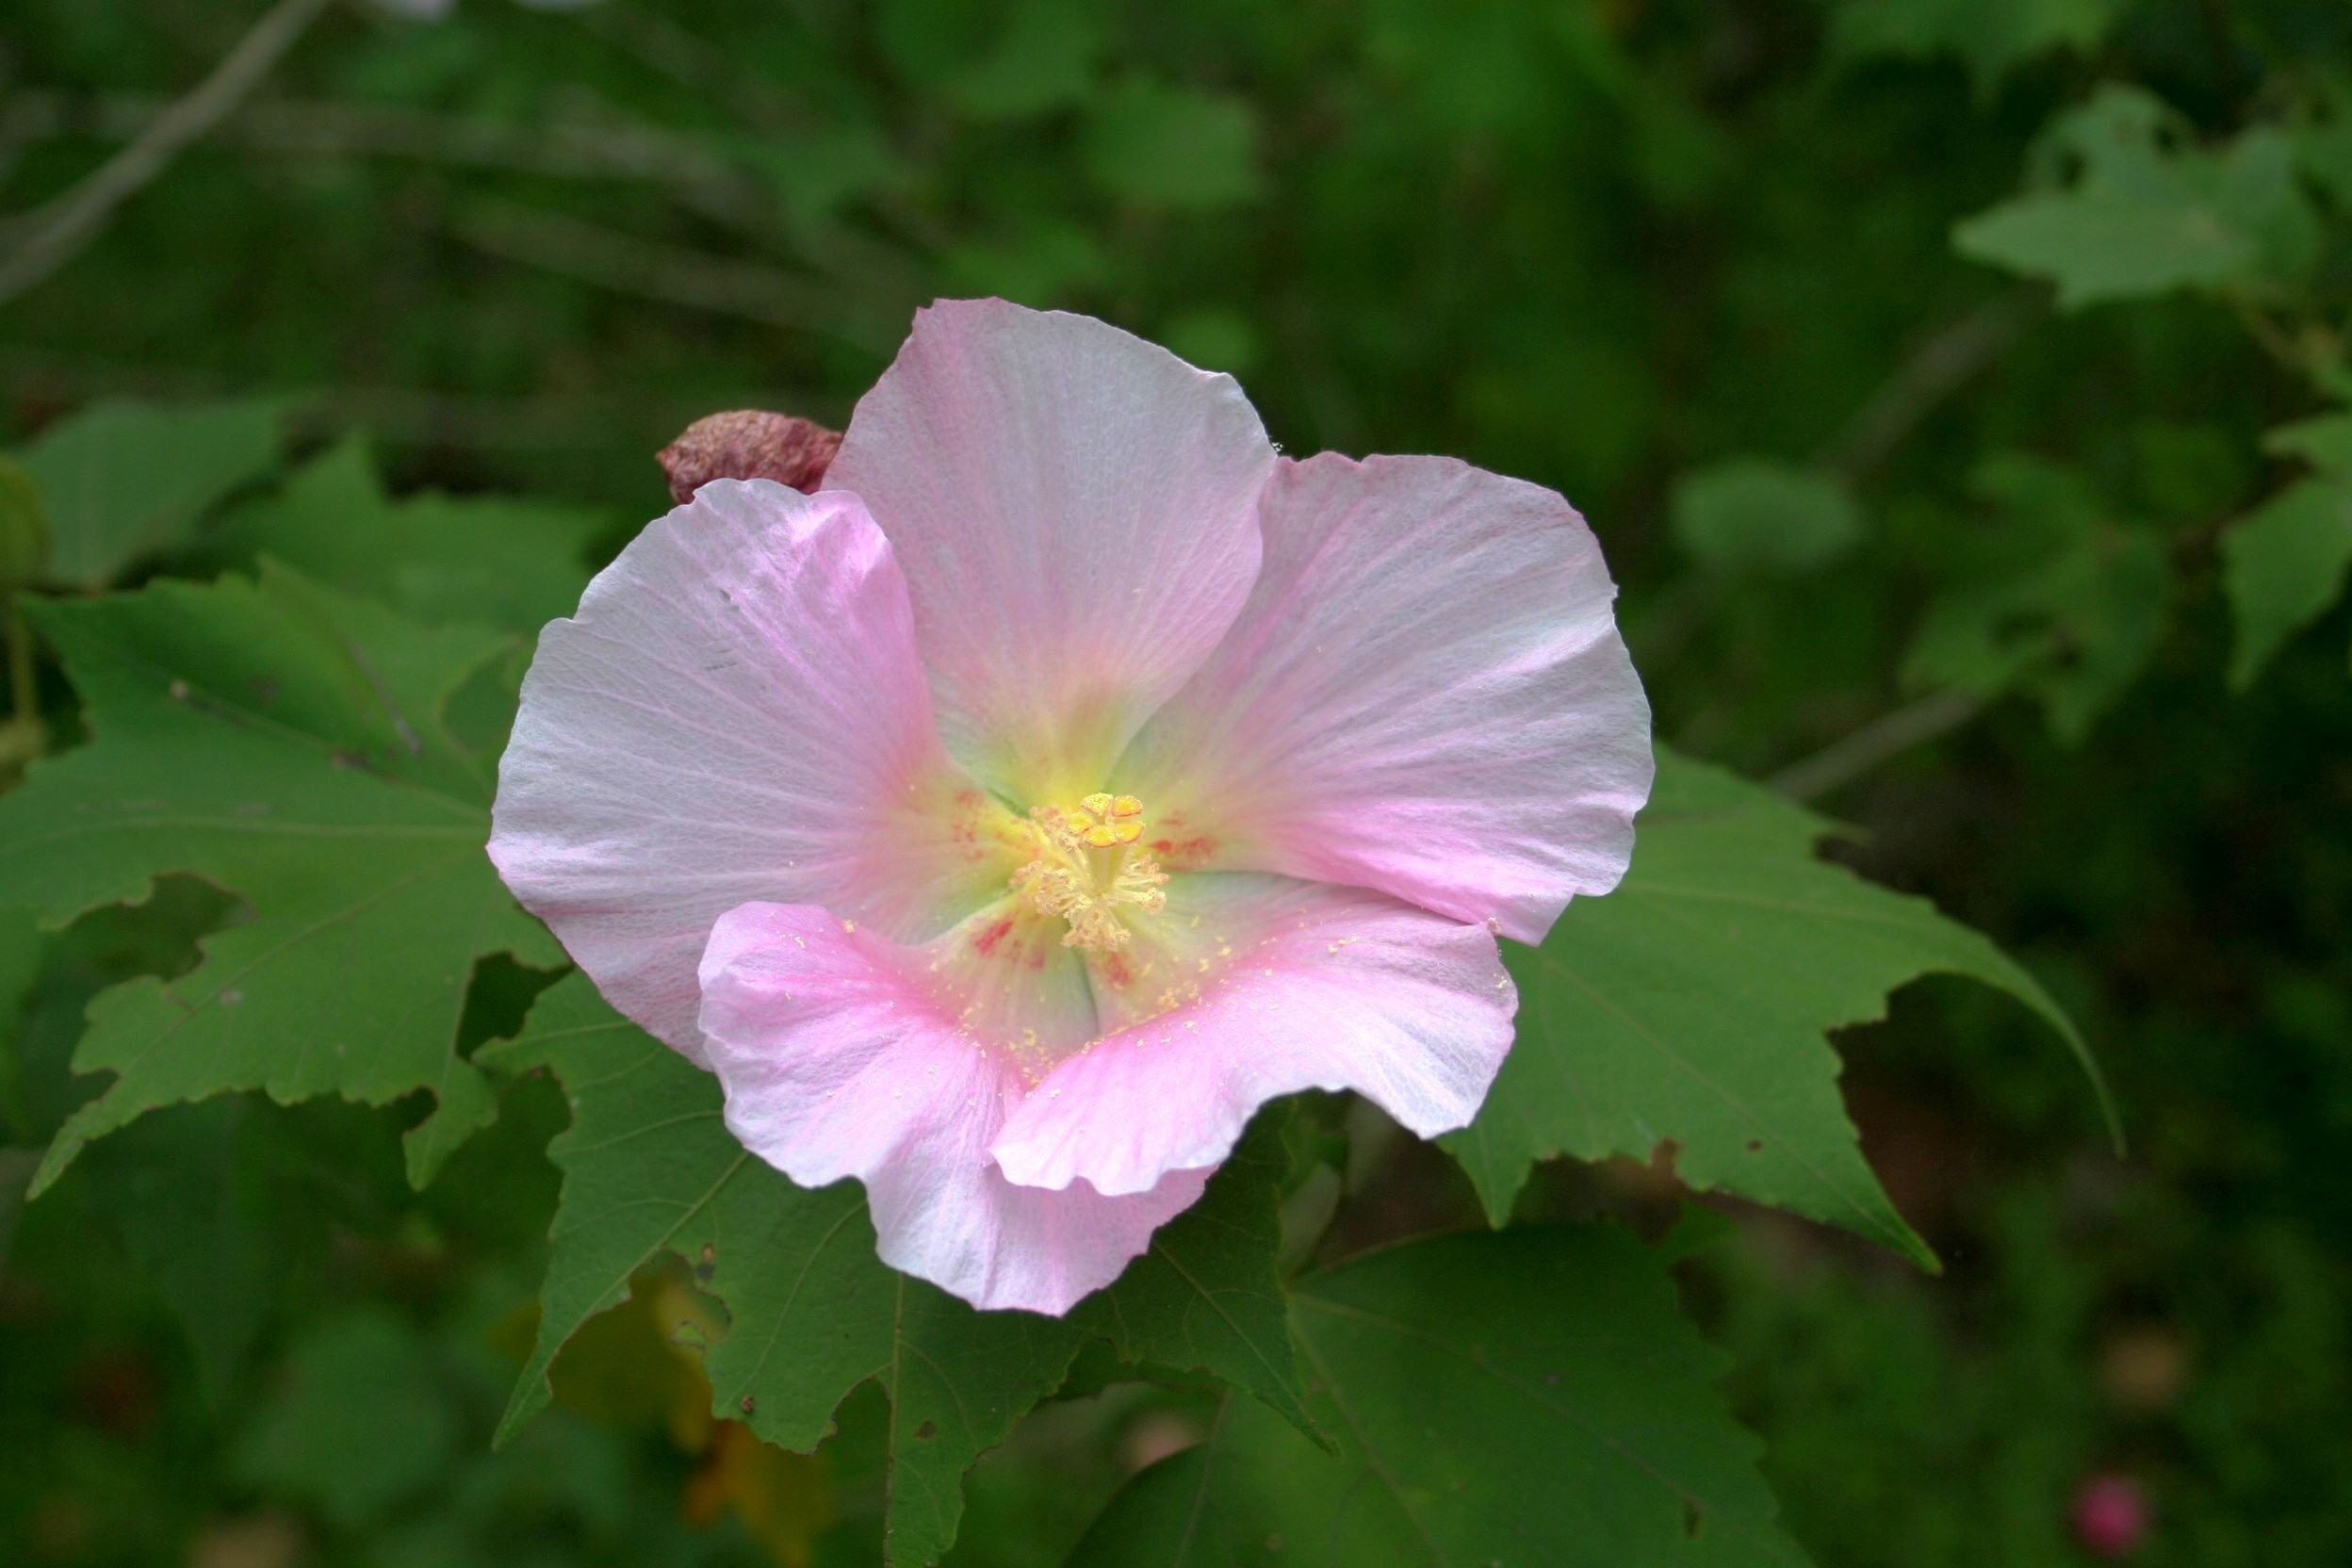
1006,821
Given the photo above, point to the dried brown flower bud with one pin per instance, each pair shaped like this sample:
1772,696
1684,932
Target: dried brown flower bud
749,443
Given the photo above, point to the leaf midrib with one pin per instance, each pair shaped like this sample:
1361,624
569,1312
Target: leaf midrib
1747,1113
130,656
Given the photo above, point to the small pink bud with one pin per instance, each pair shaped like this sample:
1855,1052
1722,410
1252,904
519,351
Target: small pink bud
2111,1515
749,443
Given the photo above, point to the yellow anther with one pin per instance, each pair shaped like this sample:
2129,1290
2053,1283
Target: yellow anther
1069,877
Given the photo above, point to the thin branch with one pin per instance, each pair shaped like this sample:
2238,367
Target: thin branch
711,72
697,174
315,128
700,67
1950,357
1945,362
64,225
23,694
552,423
22,737
627,265
2272,338
1842,762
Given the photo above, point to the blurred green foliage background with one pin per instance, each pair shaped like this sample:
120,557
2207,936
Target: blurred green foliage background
1915,534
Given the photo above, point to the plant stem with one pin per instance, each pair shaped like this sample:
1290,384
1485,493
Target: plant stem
1945,362
23,738
24,694
1840,762
63,226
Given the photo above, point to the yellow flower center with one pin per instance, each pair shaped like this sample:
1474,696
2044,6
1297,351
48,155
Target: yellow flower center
1087,861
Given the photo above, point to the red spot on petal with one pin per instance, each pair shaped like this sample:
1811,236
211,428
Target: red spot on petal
1184,854
986,942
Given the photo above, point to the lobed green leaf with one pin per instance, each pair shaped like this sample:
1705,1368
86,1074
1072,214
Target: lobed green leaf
2073,626
1991,37
1531,1396
2146,211
290,746
1756,515
123,480
488,560
2283,564
650,1167
1690,1006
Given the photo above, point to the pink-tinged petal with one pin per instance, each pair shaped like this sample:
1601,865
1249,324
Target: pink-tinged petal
1003,975
1426,694
1307,986
735,713
1076,513
839,1060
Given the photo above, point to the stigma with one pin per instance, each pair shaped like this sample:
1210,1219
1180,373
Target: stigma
1089,862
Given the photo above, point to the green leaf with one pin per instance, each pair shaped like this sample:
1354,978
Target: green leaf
1173,147
2074,627
21,939
2283,564
492,561
20,951
2101,245
171,1185
821,169
1532,1396
2145,212
1991,37
1755,515
650,1167
289,745
357,1422
2075,633
2324,442
1044,58
1689,1007
1206,1296
124,480
1041,264
2323,142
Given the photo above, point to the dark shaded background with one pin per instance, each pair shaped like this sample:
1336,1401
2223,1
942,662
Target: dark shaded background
1597,243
